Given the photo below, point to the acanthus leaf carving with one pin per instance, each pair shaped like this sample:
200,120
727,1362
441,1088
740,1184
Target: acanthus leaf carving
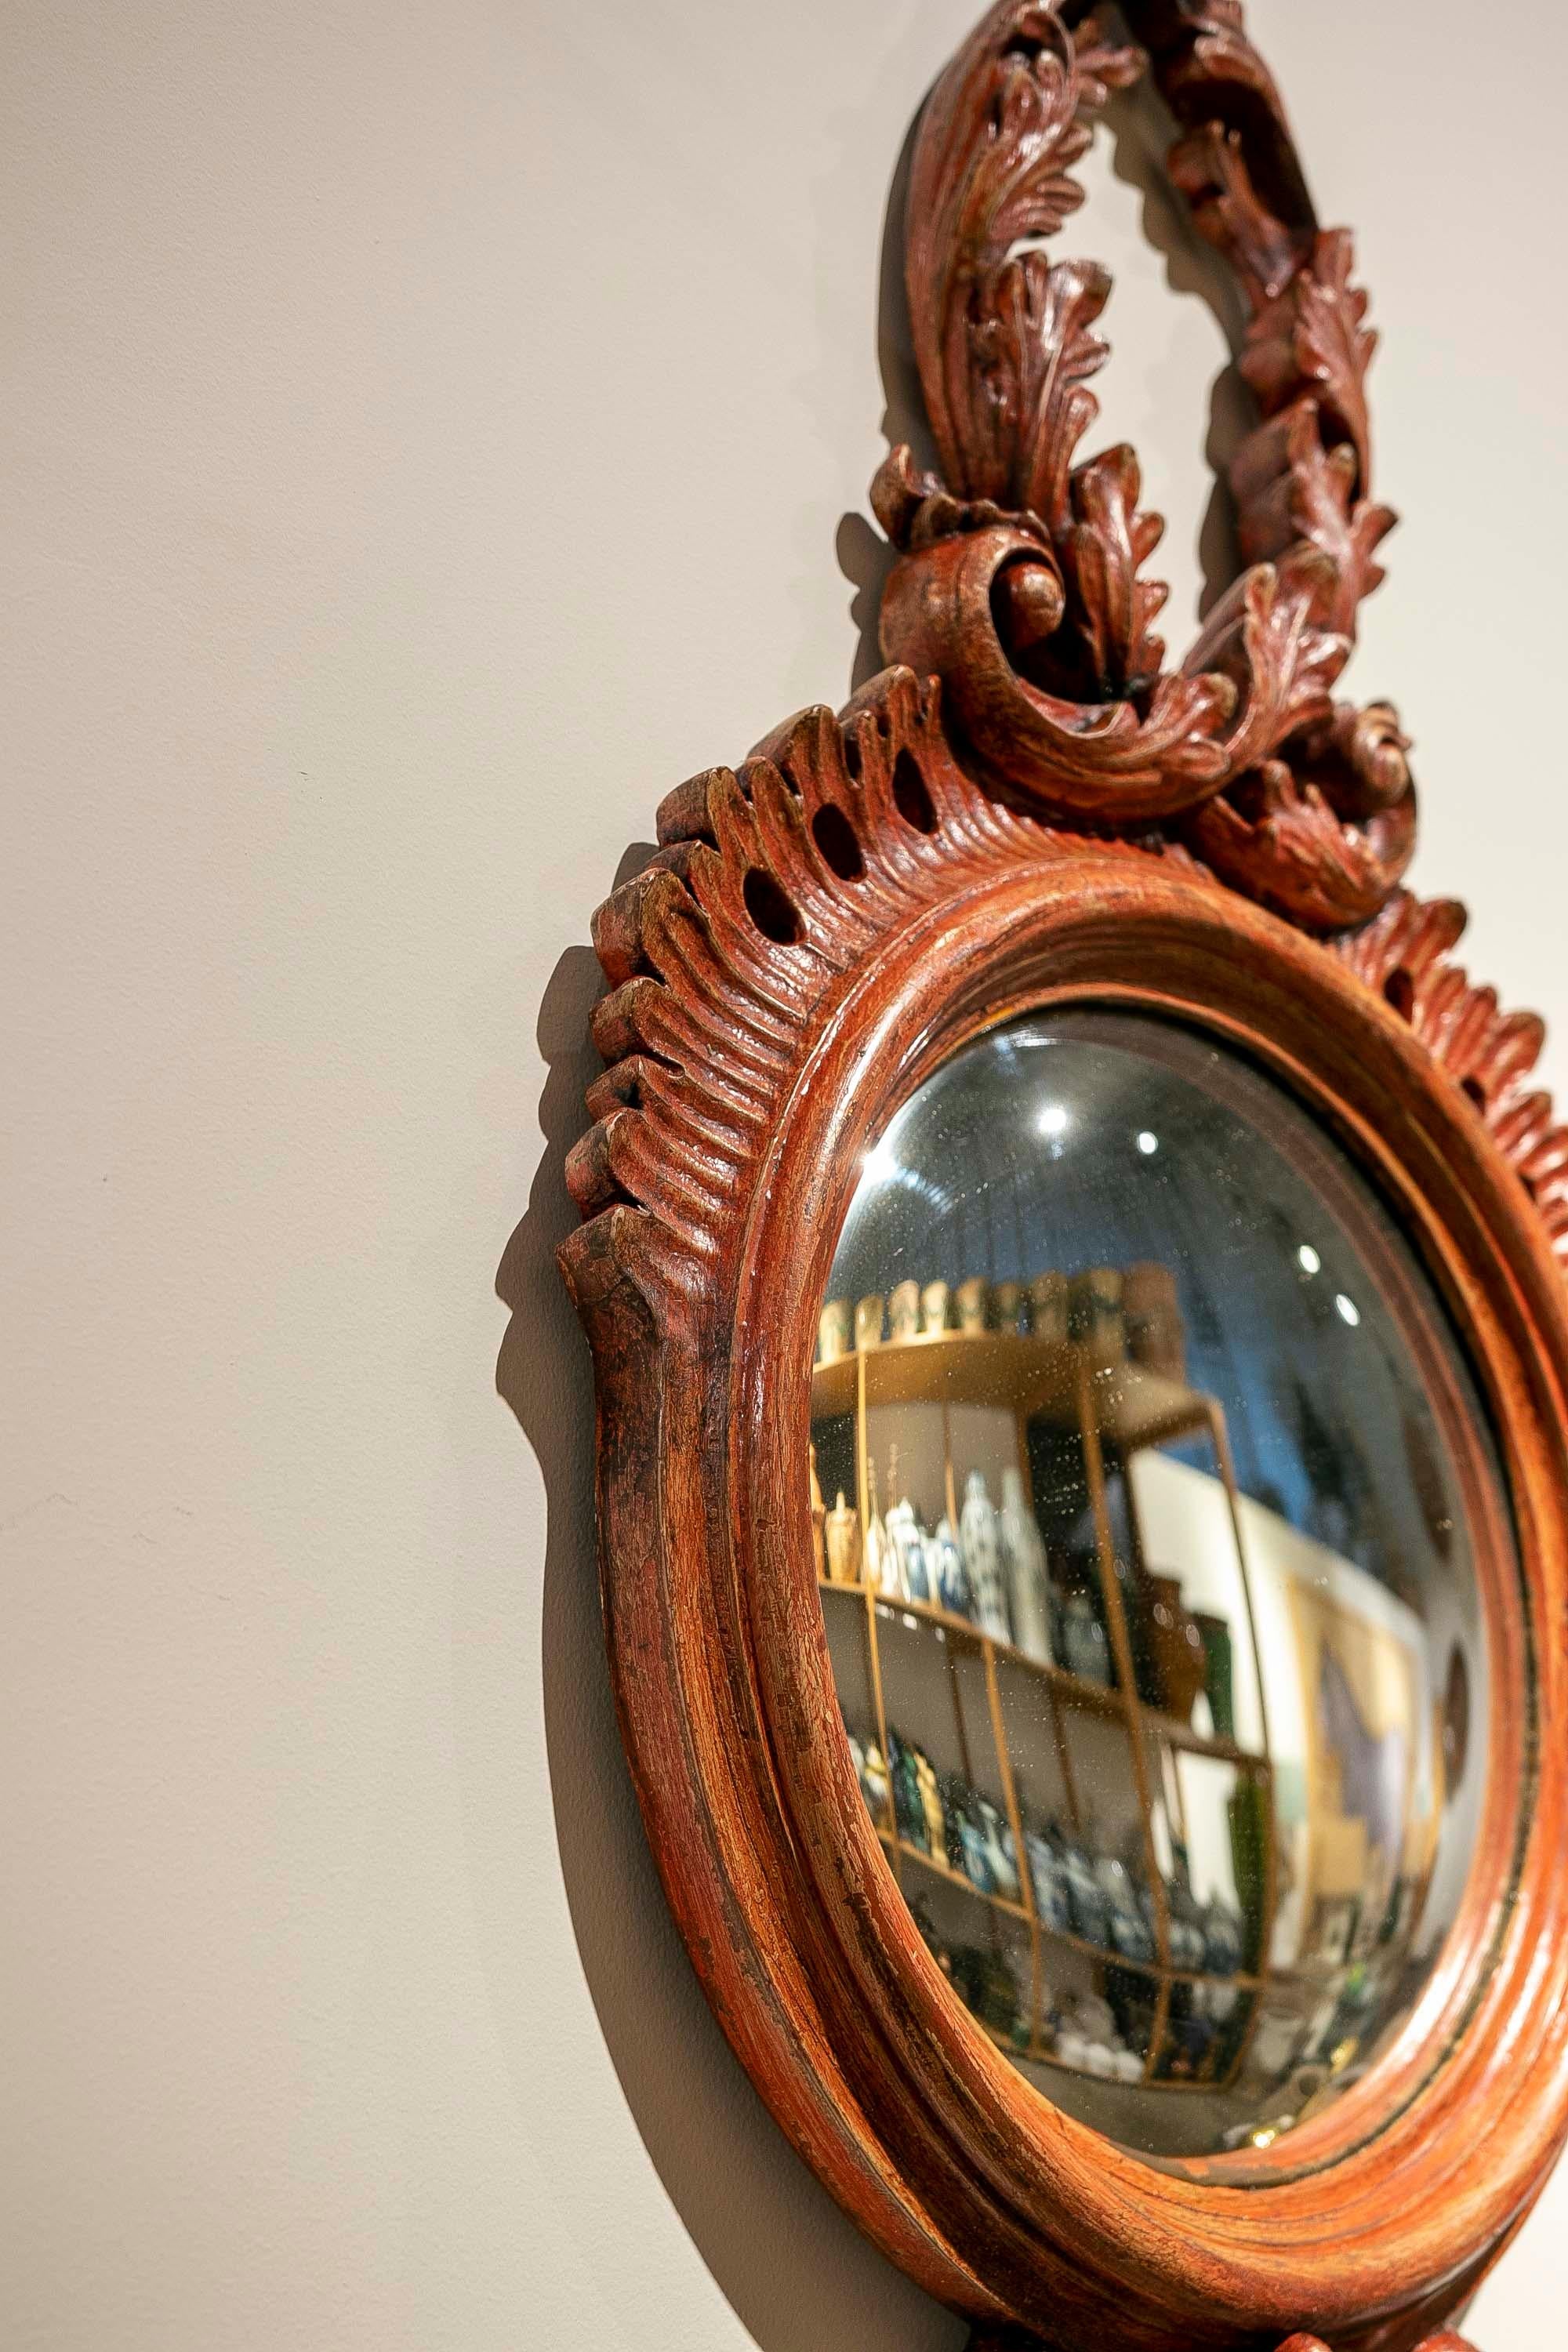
1278,834
1264,634
1312,334
1056,673
1106,545
1210,169
997,168
1288,488
1037,341
915,510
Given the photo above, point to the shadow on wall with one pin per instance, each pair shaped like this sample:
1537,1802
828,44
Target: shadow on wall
795,2271
865,557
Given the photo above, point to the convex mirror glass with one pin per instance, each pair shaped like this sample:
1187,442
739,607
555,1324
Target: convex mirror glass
1149,1486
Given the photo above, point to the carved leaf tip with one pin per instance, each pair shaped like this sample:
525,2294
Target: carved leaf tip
1105,547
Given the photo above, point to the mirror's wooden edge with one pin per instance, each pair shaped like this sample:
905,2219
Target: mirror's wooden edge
1404,2208
712,1020
777,884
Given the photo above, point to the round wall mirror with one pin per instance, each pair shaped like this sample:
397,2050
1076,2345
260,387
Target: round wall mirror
1130,1868
1151,1493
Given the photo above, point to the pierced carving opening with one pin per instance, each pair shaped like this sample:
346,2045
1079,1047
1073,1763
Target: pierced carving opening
1476,1092
910,797
771,908
834,836
1400,990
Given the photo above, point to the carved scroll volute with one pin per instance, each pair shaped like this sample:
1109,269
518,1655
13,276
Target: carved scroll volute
1020,578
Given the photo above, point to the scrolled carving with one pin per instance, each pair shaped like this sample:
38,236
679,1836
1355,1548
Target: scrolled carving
949,609
1325,840
1002,340
1048,654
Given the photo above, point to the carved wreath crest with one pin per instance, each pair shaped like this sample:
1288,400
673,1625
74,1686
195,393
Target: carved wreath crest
1020,582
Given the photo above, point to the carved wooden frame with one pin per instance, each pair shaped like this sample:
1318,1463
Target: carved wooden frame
819,930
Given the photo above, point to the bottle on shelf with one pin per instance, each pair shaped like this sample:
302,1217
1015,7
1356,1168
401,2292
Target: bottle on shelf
952,1581
904,1534
1219,1673
1047,1874
1094,1313
1176,1640
871,1770
1085,1649
972,1298
1048,1307
876,1551
843,1536
904,1311
917,1550
1223,1936
1129,1919
835,1331
1087,1905
1029,1577
1005,1299
982,1541
1184,1912
1156,1337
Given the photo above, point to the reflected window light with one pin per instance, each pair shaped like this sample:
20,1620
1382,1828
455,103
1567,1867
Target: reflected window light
1053,1119
1309,1260
879,1163
1349,1311
1148,1142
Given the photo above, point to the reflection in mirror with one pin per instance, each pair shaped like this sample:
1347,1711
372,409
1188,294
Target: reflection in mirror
1148,1489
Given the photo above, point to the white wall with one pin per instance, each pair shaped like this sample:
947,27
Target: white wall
432,427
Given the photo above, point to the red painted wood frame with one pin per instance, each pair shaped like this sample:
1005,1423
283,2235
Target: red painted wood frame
819,931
